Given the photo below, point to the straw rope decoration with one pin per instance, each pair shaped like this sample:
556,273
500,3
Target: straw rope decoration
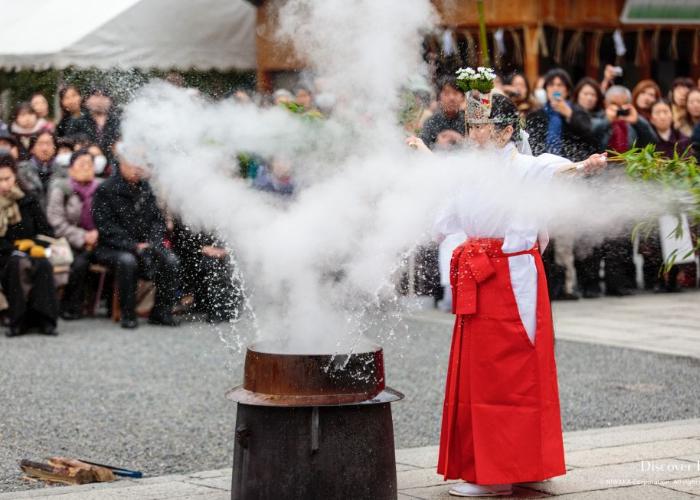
639,51
674,44
596,41
575,46
655,38
517,47
471,56
558,46
542,40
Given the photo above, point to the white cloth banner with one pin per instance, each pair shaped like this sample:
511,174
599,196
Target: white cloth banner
672,245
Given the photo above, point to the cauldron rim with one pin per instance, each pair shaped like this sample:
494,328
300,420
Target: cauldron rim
241,395
363,347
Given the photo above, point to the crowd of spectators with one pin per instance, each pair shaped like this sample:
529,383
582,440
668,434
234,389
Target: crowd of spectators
67,182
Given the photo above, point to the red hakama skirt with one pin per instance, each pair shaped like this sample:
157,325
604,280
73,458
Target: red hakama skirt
501,421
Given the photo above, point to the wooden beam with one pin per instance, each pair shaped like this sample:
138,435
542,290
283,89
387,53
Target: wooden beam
273,54
592,56
532,54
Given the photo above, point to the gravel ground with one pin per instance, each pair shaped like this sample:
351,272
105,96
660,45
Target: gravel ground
153,399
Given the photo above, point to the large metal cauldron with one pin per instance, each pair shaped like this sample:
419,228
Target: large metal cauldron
314,426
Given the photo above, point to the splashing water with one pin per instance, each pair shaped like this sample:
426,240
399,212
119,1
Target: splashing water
319,269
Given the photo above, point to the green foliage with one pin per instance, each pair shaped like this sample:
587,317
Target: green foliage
679,176
311,114
121,83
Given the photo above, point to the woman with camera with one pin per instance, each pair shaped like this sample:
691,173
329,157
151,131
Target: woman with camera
622,128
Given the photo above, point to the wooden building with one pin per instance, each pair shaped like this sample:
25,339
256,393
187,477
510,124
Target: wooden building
535,35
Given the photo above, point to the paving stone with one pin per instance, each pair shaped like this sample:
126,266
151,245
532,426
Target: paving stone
610,476
631,434
643,492
419,478
630,453
425,457
441,493
221,482
688,485
160,491
404,467
211,473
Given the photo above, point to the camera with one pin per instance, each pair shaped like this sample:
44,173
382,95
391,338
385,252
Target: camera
623,112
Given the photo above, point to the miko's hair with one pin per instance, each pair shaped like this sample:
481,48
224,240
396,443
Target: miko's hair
504,113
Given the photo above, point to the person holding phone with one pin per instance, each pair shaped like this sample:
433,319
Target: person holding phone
562,128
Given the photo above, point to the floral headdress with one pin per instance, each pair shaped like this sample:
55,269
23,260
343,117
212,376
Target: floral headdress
477,86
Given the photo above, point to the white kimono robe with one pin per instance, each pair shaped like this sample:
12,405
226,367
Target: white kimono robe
485,219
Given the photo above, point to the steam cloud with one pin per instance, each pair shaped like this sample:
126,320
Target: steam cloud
322,266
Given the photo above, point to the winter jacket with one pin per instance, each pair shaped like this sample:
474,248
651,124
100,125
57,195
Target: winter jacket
71,126
676,143
640,134
127,214
36,177
63,212
33,223
577,141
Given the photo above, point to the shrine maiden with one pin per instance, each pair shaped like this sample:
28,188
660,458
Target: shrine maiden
501,420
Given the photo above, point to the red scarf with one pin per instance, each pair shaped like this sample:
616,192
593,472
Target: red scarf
619,140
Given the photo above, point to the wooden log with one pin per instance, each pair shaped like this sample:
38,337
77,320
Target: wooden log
53,474
101,474
66,471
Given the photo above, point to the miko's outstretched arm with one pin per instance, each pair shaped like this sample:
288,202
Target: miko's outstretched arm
591,165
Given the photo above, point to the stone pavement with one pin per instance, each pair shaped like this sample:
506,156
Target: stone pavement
645,461
663,323
653,460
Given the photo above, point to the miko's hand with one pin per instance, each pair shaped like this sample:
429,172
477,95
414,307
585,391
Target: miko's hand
595,163
416,143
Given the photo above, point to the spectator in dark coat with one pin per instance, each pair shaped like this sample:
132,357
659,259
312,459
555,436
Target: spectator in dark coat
75,120
621,129
132,229
670,142
105,120
589,96
669,139
561,127
37,171
695,142
207,274
26,273
450,116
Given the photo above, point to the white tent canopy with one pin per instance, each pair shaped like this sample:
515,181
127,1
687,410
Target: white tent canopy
144,34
